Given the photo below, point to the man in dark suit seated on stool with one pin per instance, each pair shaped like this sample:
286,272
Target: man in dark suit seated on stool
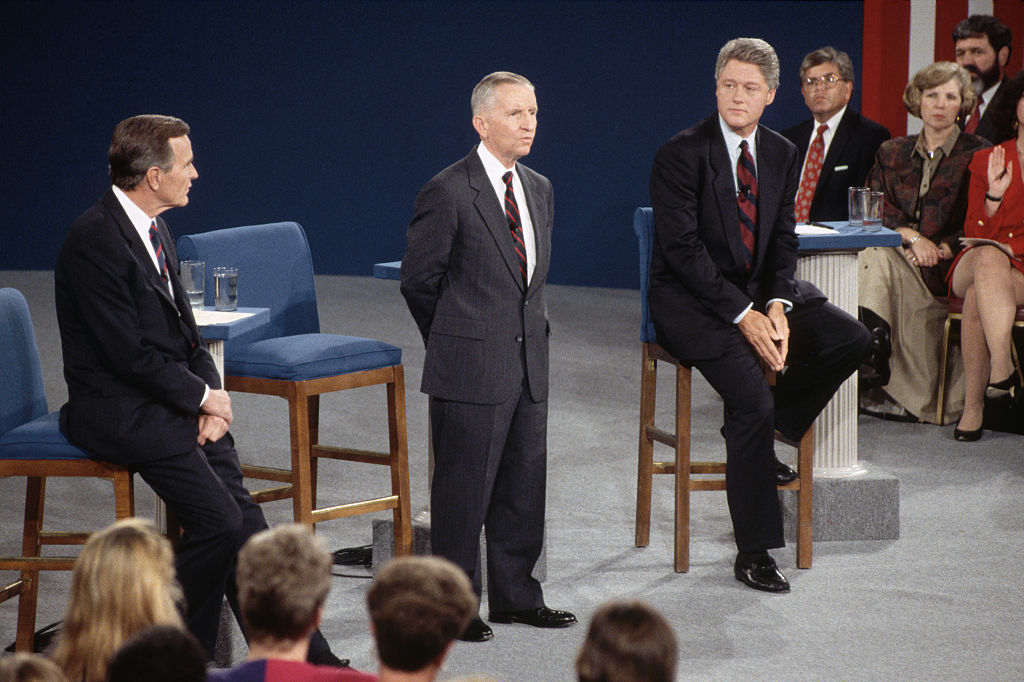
143,392
837,146
725,300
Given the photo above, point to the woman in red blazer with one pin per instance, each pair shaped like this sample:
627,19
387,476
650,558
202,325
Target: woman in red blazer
990,277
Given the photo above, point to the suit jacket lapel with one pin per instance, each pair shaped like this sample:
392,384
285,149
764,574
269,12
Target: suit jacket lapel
769,194
724,185
835,148
541,229
492,213
145,262
138,249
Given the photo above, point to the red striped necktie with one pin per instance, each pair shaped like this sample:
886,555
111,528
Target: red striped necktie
812,171
972,124
158,249
515,223
746,199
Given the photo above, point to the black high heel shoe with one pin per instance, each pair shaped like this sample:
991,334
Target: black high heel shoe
1008,386
967,436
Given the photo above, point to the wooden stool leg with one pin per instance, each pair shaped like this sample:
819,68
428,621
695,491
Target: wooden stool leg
35,501
302,494
805,500
397,438
645,451
313,410
682,521
940,401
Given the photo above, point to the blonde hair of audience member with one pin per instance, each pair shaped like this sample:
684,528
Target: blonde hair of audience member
25,667
122,582
934,75
418,606
628,641
284,575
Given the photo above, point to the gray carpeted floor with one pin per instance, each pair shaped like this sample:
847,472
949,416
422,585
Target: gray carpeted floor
942,602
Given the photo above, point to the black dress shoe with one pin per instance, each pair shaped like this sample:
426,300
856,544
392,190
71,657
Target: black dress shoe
966,436
477,631
784,473
327,658
1008,386
761,573
538,618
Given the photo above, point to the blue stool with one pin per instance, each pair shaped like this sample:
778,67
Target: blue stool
31,445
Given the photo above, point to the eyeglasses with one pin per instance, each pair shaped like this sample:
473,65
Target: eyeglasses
828,81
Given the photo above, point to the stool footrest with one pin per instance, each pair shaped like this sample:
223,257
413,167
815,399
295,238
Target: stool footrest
355,508
351,455
37,563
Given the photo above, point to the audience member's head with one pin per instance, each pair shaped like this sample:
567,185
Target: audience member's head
826,82
418,606
284,575
1005,111
162,653
122,582
934,75
628,641
24,667
982,45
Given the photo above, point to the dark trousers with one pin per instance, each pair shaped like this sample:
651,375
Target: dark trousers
826,346
203,489
490,467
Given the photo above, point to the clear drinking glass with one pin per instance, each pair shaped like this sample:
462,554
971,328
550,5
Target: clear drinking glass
872,211
225,288
193,277
855,204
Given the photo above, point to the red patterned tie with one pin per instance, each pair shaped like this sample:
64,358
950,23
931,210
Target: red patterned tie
972,124
746,200
514,222
158,249
812,171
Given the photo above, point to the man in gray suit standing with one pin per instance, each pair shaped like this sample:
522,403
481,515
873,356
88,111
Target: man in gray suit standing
473,276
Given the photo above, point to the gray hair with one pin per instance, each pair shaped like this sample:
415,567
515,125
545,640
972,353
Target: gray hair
828,55
484,90
751,51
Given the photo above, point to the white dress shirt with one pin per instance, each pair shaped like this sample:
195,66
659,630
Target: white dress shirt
494,170
826,138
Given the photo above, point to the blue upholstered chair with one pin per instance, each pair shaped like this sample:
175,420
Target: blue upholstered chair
31,445
292,359
710,475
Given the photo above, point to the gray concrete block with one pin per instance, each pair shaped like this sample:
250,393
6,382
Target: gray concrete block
865,506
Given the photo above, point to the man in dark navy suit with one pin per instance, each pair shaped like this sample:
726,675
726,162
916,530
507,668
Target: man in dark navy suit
724,297
143,392
845,152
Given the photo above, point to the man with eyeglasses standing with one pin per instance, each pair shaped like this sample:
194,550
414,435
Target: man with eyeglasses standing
837,145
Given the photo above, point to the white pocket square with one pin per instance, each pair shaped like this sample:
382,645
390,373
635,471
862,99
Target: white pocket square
840,168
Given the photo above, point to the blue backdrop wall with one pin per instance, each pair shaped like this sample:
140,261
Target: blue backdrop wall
334,114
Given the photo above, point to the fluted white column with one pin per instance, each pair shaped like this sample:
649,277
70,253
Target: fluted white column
835,431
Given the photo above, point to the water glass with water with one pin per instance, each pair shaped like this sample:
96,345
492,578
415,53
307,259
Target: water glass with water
872,211
193,276
225,288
